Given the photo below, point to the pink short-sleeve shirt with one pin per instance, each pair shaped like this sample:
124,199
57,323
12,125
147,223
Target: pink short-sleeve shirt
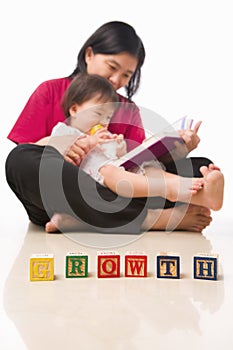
43,111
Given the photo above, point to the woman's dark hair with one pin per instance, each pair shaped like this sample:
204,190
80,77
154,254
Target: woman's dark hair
86,86
113,38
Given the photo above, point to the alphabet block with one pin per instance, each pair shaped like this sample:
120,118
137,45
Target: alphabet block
108,265
205,267
42,267
76,265
135,265
168,266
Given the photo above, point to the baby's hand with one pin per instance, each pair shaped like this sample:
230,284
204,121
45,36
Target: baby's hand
121,147
103,134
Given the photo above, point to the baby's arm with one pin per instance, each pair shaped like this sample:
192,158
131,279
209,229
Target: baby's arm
43,142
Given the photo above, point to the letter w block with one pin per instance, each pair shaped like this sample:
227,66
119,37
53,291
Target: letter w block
135,265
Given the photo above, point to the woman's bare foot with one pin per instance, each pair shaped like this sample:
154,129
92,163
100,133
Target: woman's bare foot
63,222
180,218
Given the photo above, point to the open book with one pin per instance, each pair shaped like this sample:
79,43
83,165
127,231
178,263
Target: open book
154,147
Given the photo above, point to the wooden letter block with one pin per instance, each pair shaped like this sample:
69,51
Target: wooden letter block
108,265
42,267
135,265
76,265
205,267
168,266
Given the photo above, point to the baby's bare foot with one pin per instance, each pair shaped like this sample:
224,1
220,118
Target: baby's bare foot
213,190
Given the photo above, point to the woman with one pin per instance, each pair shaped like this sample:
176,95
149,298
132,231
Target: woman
115,52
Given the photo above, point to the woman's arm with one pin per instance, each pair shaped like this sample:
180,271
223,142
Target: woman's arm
75,148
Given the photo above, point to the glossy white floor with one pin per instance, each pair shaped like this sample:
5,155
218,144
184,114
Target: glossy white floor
122,313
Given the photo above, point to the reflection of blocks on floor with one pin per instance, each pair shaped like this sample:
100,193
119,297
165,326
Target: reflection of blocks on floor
205,267
135,265
108,265
42,267
168,266
76,265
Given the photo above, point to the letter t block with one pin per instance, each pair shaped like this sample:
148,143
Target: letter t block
168,266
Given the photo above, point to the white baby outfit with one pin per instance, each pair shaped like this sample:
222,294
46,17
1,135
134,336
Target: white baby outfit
100,155
95,158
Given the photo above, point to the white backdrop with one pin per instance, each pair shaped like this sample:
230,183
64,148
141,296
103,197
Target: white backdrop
188,67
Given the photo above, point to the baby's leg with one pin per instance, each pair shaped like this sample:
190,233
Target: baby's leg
171,186
206,191
154,183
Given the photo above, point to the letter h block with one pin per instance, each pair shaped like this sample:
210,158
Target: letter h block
76,265
41,267
135,265
108,265
168,266
205,267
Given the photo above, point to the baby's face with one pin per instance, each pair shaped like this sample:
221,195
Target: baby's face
92,113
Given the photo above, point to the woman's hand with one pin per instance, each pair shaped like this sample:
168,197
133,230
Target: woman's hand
190,137
73,149
78,149
191,141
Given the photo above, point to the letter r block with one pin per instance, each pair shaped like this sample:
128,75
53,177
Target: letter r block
108,265
168,266
76,265
41,267
135,265
205,267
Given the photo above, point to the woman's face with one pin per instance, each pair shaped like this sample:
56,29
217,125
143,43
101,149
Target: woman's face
117,69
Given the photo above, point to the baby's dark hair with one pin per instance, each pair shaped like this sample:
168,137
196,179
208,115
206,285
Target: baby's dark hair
86,86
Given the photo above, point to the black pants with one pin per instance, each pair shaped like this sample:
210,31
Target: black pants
46,184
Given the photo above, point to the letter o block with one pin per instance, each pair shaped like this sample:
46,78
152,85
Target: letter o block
108,265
